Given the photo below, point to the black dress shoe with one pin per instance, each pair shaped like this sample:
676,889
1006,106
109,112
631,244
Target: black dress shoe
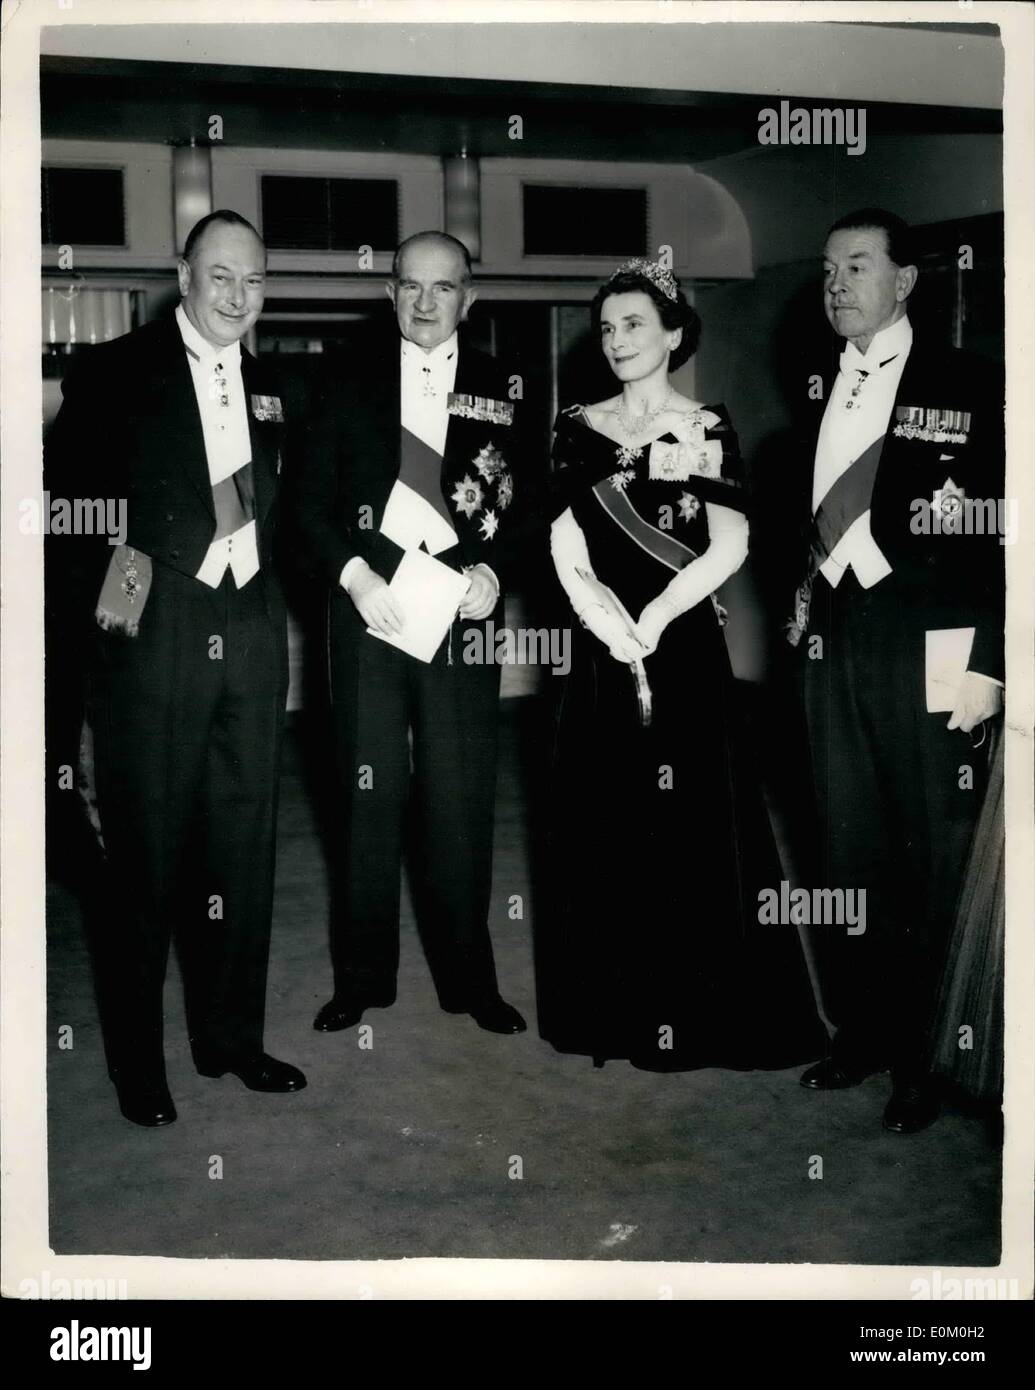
912,1107
150,1106
497,1016
831,1075
347,1011
259,1073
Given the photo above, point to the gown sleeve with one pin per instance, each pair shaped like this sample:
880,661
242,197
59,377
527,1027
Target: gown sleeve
569,464
718,474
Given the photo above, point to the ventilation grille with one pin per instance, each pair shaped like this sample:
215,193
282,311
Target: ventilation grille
82,207
565,221
315,214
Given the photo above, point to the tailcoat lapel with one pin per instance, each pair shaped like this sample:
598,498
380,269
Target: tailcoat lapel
265,435
182,438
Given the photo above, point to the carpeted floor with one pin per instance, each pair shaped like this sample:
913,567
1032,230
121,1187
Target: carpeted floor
409,1148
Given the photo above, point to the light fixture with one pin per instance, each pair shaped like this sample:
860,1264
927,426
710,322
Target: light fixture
192,188
463,200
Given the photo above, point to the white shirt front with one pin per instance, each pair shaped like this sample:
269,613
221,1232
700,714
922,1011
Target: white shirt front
425,381
859,412
219,390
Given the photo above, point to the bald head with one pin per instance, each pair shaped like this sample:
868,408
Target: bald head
432,238
222,278
430,287
222,217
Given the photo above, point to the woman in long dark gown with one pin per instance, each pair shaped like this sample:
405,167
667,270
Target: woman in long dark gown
650,947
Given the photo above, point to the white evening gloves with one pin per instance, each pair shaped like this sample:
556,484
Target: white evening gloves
570,554
727,551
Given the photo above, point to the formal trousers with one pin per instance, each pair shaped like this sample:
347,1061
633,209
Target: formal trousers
187,722
416,755
898,795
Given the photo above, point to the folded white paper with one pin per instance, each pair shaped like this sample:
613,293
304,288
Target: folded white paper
408,520
428,594
945,664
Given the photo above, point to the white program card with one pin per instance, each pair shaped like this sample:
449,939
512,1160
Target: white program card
946,656
428,594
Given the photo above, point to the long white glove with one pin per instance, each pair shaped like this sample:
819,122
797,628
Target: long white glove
570,553
727,551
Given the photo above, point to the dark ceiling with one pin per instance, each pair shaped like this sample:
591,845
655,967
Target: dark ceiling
169,103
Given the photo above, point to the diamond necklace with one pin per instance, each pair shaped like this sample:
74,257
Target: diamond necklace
636,424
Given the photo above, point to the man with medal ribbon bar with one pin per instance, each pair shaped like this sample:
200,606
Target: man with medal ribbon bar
405,499
899,628
187,664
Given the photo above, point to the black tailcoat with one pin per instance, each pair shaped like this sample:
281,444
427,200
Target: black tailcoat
897,792
945,580
187,716
346,473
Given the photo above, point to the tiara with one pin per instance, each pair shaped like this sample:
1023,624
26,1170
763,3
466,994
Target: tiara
654,271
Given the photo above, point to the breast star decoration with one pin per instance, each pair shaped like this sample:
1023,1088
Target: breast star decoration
468,495
504,491
489,524
689,506
489,462
948,500
620,481
625,473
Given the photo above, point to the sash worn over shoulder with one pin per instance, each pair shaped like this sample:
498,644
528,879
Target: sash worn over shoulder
420,468
415,514
663,547
845,501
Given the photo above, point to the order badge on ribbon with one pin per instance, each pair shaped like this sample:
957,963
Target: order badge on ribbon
669,461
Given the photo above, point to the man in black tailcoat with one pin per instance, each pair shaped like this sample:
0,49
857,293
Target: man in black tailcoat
899,625
186,657
420,456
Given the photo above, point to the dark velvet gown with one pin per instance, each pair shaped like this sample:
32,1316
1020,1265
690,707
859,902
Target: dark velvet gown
650,947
